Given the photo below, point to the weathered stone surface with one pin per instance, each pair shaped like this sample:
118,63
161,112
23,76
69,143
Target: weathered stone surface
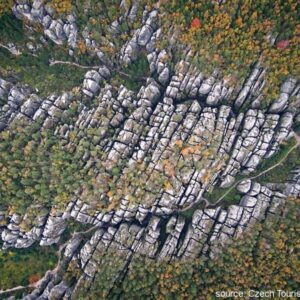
280,104
181,125
244,186
54,227
144,35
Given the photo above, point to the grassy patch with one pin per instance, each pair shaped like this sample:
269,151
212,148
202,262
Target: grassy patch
24,266
188,214
36,72
74,226
278,174
233,197
284,149
11,29
134,75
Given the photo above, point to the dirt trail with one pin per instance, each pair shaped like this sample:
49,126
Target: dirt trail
60,62
297,138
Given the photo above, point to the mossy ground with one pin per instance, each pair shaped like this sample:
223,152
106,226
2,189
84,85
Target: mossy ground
134,75
38,74
11,29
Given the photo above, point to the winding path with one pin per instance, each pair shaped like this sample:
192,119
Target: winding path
60,62
208,204
297,138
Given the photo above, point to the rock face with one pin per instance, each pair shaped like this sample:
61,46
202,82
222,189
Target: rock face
292,188
218,143
281,103
179,128
57,30
204,234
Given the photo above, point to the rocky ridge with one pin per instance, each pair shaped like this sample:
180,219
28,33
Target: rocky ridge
194,132
169,239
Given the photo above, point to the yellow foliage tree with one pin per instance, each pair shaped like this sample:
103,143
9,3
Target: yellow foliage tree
61,6
5,6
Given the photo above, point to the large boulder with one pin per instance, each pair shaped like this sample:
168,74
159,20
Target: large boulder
144,35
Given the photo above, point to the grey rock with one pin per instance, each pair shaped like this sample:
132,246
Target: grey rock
144,35
207,85
248,201
72,246
164,76
215,95
280,104
152,93
286,121
46,21
244,186
94,75
104,72
58,291
227,181
288,86
23,243
8,236
91,86
54,227
63,101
